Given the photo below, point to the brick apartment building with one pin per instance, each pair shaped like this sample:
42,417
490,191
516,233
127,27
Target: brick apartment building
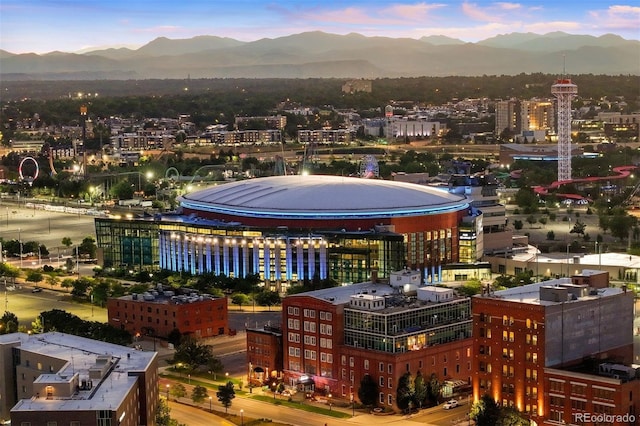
529,338
157,313
61,379
333,337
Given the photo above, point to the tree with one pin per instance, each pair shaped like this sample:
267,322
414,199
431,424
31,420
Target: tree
198,394
240,299
267,298
470,288
420,389
405,392
34,276
531,220
88,247
8,323
52,280
433,389
66,241
543,221
551,235
486,412
368,391
215,366
578,228
192,354
225,395
178,391
517,224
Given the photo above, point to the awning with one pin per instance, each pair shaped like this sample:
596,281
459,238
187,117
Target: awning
305,380
258,370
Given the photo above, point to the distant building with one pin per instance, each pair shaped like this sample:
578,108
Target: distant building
534,152
354,86
157,313
61,379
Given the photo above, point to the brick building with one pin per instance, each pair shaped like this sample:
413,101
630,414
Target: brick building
264,354
334,337
522,332
61,379
157,313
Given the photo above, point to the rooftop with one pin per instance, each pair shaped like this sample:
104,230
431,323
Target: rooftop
82,355
305,197
530,293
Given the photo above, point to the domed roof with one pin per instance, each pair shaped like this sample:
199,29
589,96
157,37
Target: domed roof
322,197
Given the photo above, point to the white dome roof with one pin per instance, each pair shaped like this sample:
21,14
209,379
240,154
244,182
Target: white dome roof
319,196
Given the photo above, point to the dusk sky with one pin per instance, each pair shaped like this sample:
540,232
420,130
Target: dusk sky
69,25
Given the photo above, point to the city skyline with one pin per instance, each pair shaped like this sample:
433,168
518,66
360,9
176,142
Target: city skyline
71,26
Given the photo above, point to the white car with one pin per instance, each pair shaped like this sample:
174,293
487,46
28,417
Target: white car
452,403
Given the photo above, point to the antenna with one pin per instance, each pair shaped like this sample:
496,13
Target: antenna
564,65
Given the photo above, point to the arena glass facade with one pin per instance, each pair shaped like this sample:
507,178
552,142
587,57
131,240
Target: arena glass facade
200,247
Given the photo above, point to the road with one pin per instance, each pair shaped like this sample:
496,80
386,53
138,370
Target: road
186,413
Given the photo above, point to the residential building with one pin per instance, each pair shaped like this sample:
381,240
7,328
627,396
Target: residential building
336,336
56,378
157,313
521,332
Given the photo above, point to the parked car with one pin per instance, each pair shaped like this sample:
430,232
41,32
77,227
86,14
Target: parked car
452,403
286,393
36,290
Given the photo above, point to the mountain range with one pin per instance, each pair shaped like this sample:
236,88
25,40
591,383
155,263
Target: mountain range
325,55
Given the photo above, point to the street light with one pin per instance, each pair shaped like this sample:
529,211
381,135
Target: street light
210,409
329,401
241,417
353,406
168,386
273,385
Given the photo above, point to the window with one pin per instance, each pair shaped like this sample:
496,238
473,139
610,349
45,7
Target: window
389,369
381,381
350,361
381,366
366,364
390,399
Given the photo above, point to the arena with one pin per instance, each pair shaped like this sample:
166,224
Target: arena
294,229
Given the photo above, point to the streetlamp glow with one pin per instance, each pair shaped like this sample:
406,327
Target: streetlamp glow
210,409
168,386
241,417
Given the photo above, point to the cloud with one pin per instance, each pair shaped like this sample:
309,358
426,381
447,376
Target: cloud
617,17
547,27
393,14
497,12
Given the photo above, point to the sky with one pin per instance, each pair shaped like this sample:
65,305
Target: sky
40,26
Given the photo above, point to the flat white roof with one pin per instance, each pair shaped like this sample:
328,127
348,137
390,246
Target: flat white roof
81,355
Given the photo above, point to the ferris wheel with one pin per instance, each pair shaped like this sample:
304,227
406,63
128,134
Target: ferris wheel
369,167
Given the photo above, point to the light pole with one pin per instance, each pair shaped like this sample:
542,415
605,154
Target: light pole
241,417
20,242
210,409
168,386
274,390
568,259
353,406
329,401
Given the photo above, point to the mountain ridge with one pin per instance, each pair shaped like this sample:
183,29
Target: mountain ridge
319,54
